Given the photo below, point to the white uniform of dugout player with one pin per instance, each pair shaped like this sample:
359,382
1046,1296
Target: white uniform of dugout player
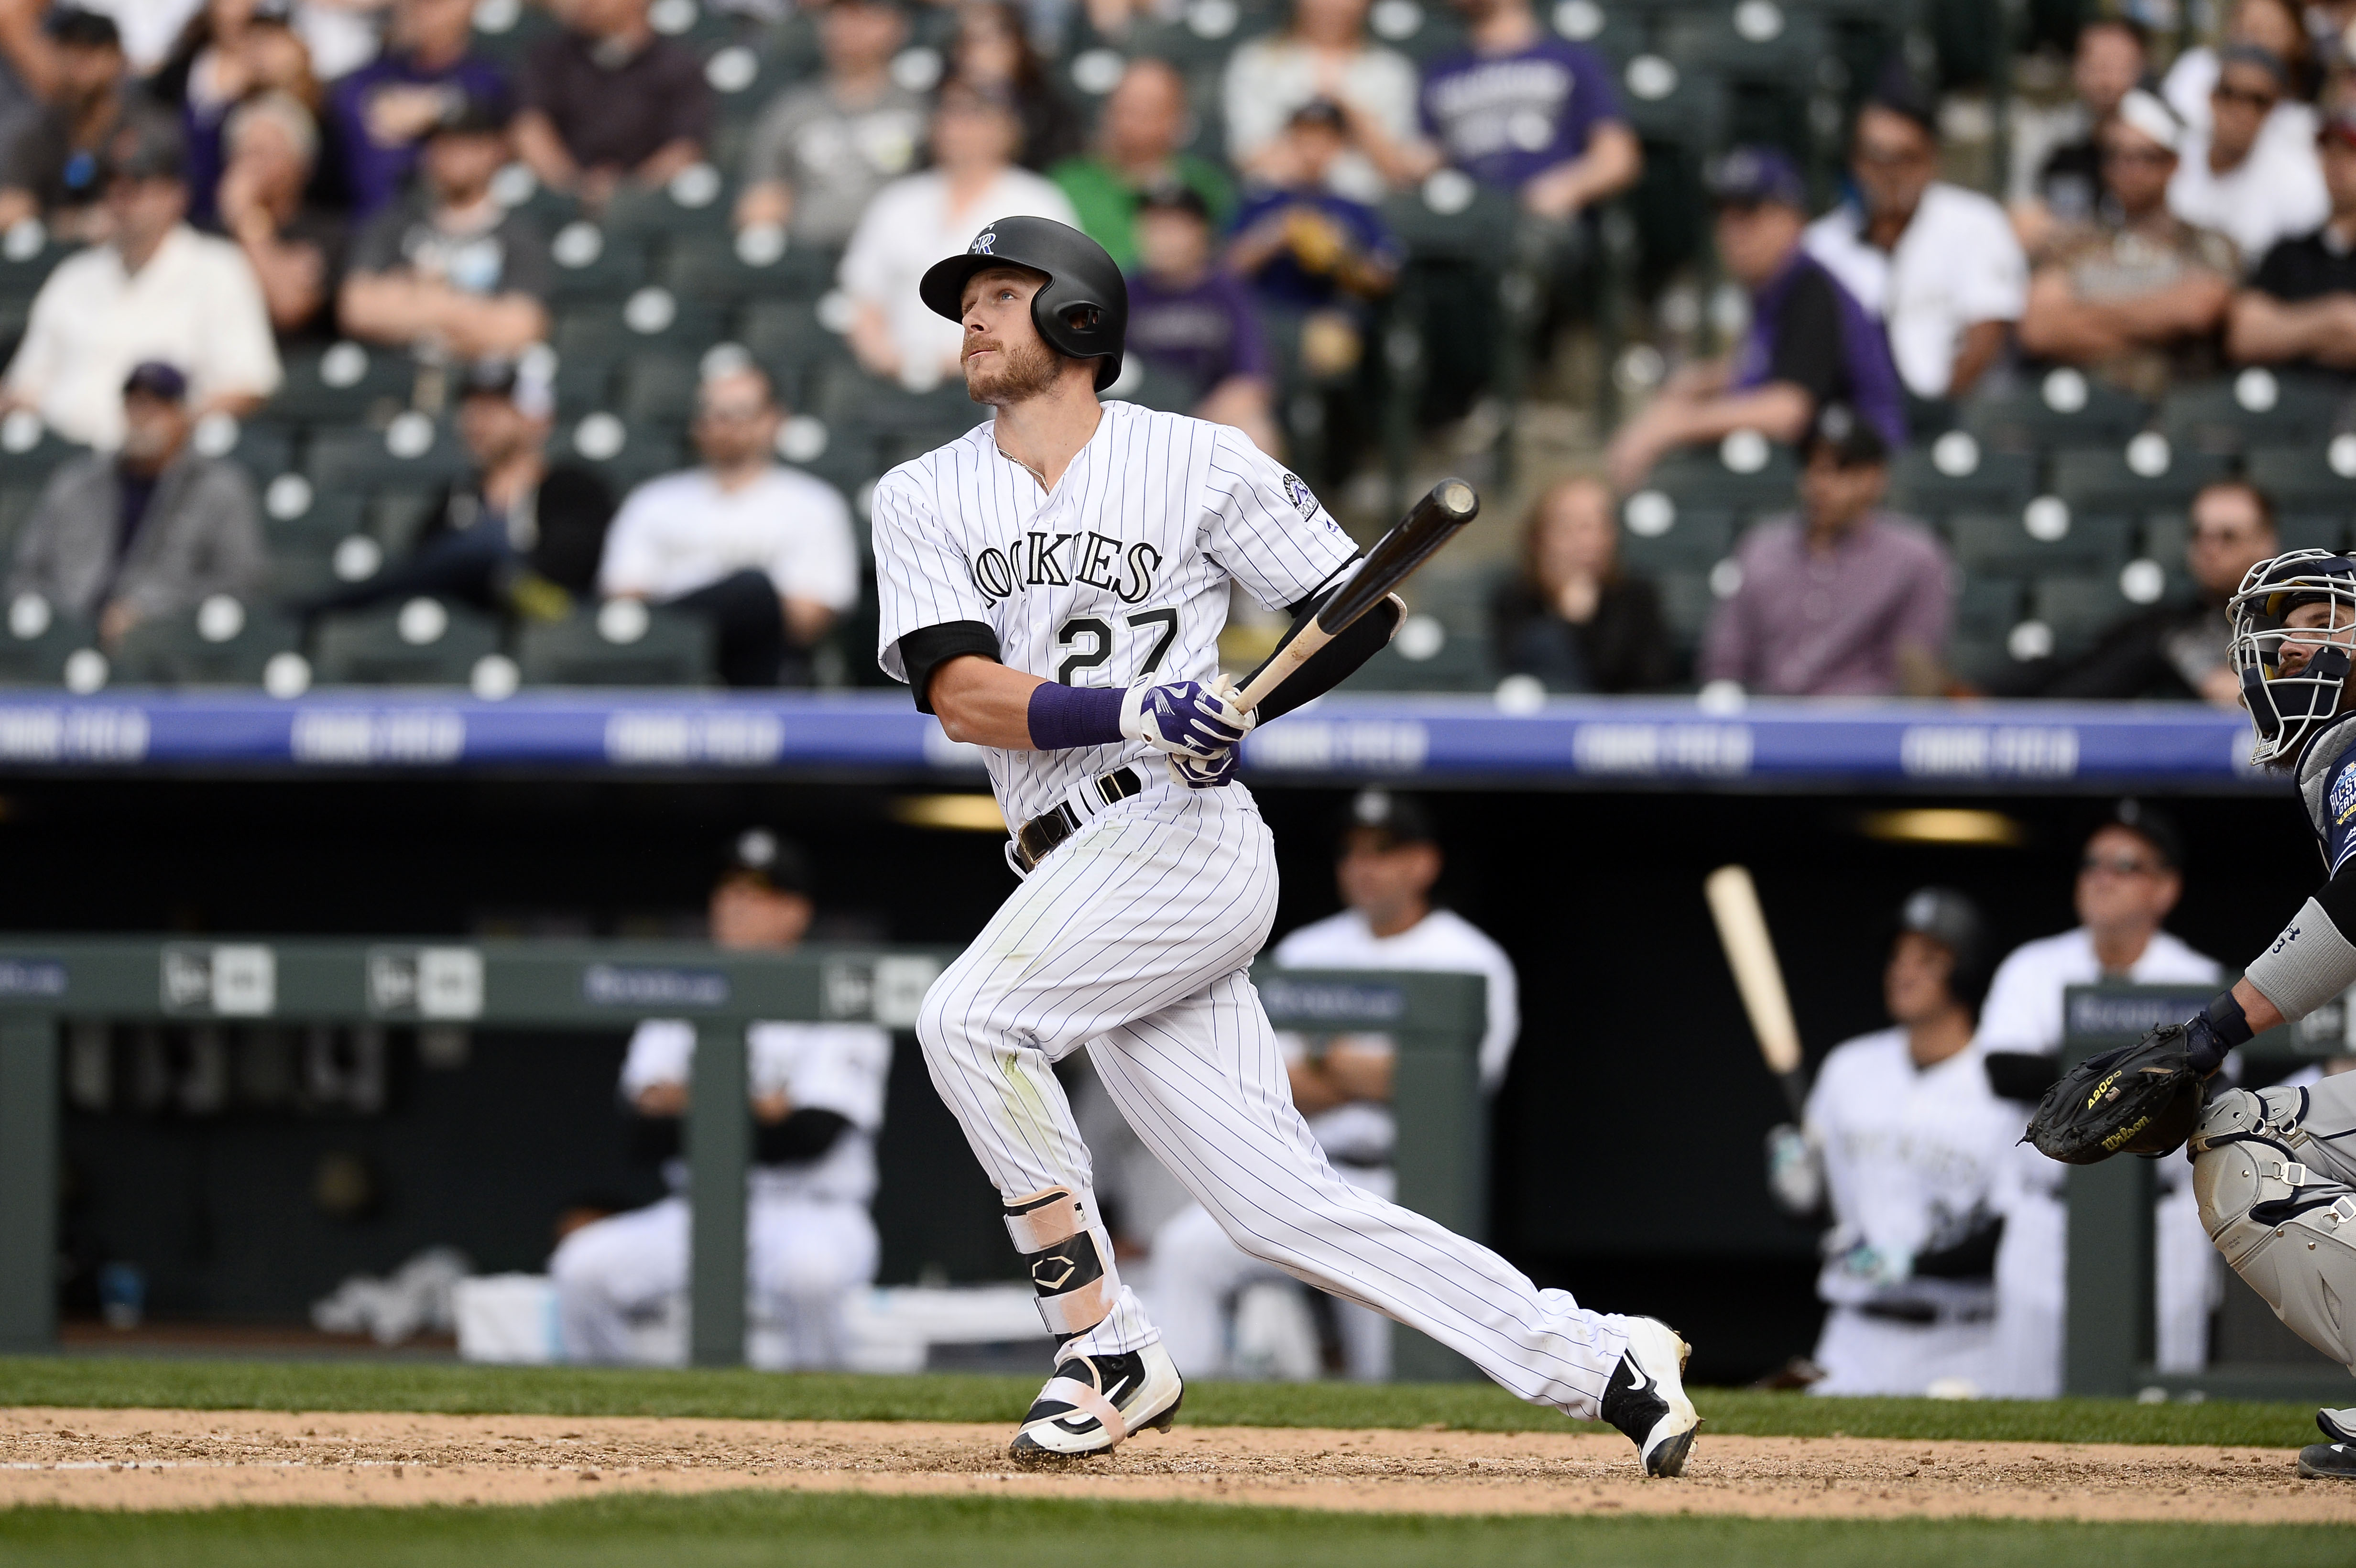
816,1093
1905,1143
1388,863
2127,882
1053,585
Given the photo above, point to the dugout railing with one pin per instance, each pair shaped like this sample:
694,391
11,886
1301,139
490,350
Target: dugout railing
46,982
2110,1334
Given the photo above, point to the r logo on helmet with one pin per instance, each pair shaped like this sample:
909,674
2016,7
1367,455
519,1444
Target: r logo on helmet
982,243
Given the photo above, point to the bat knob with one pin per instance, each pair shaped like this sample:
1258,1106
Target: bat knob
1458,497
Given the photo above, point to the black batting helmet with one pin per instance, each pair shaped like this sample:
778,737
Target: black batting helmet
1083,312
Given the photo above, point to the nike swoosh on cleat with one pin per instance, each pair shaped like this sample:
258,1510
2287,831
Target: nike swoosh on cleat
1641,1383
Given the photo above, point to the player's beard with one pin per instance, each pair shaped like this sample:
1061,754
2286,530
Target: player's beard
1015,373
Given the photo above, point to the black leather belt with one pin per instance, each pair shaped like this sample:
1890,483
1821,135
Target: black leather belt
1040,836
1921,1313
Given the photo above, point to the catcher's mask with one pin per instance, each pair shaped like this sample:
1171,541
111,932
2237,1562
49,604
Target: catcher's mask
2293,665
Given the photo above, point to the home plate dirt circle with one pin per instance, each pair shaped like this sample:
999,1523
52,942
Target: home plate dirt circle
138,1459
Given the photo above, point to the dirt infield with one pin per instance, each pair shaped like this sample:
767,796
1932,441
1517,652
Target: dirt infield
136,1459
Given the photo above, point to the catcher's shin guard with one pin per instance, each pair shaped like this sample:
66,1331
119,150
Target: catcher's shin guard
2272,1183
1069,1260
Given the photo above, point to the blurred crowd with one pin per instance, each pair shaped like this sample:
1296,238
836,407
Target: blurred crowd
252,183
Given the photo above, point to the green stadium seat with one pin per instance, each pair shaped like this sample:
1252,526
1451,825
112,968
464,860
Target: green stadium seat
2318,477
745,79
626,453
1659,535
220,643
1617,31
1956,473
696,201
36,639
1760,477
620,642
1687,605
30,452
592,264
657,388
793,345
1420,29
2311,530
17,504
2149,473
412,452
343,383
2043,540
263,450
1756,41
2256,406
504,29
425,642
2078,609
1425,656
1451,218
727,269
1670,105
2059,408
651,320
1204,37
1988,607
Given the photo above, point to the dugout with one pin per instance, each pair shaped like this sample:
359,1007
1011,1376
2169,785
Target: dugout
1623,1160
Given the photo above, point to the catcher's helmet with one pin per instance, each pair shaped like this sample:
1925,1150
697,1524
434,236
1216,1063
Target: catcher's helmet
1083,311
2289,701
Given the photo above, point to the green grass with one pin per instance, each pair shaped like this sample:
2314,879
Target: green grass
727,1528
208,1385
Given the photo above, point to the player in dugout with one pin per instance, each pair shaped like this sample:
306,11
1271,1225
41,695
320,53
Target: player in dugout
1901,1150
818,1102
1386,861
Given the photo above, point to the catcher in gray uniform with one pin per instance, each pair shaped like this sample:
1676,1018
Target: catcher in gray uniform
2273,1169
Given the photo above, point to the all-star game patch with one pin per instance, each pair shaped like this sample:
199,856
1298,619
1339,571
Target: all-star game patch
2343,793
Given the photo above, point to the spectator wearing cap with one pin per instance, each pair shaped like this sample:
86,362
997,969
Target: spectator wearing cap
817,1093
990,50
2137,294
156,290
54,167
2299,308
2129,878
1843,599
821,150
919,218
450,271
1137,151
1810,343
384,111
149,531
1523,111
1387,861
607,101
2176,650
2251,187
1193,321
519,533
296,248
765,550
1573,616
1323,56
1937,264
2057,175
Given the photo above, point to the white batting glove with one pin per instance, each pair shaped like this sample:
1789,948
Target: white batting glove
1184,719
1795,1171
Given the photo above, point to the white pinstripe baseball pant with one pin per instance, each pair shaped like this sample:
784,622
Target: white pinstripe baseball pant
1133,938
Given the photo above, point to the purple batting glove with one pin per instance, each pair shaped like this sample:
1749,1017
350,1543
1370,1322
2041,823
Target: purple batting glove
1183,719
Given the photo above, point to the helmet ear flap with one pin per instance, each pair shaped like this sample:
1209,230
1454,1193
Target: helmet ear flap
2260,702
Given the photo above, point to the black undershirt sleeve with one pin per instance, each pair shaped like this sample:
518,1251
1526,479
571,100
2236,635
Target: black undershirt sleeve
1808,349
928,648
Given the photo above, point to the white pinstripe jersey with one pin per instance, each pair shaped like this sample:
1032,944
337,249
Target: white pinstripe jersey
1119,575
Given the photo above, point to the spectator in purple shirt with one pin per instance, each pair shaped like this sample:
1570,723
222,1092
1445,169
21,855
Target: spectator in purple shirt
1843,599
1525,112
1810,343
1191,321
384,111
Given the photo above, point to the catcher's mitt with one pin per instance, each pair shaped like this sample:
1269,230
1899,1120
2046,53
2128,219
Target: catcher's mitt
2140,1099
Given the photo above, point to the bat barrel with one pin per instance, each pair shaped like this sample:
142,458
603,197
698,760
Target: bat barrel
1452,504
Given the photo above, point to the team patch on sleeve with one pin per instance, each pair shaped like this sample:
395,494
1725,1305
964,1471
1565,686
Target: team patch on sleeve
1304,499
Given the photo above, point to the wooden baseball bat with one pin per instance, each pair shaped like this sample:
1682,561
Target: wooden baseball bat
1432,522
1750,954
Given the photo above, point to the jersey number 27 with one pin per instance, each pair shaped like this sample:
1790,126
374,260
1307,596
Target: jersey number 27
1098,637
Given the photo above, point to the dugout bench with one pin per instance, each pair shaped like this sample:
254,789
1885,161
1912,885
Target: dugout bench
45,982
2109,1337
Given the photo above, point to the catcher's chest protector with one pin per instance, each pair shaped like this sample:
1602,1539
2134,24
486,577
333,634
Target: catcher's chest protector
2275,1174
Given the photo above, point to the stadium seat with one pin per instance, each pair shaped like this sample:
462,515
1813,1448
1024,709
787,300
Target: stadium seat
627,452
621,643
2316,477
2312,531
697,201
1659,535
425,642
793,345
412,452
2038,542
657,388
263,450
36,639
30,452
1758,42
1458,661
2257,406
2149,473
1687,605
1762,477
726,269
1673,106
592,264
1956,473
1988,607
2078,609
652,319
220,643
1615,31
1452,220
1423,30
343,383
2063,407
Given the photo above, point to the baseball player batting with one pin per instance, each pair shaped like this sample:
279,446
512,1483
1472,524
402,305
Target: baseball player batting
1053,586
2273,1171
